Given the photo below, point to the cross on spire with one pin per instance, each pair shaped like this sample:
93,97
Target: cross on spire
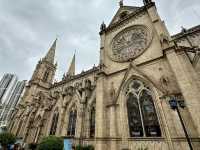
121,3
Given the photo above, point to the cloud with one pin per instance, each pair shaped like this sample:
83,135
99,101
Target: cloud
28,29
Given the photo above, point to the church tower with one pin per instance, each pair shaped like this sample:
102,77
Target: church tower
43,75
45,69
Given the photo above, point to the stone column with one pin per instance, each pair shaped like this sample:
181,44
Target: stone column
100,114
60,125
80,123
113,130
185,76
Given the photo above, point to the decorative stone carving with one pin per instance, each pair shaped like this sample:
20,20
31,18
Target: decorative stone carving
68,91
166,83
164,40
130,43
55,94
27,111
164,80
66,101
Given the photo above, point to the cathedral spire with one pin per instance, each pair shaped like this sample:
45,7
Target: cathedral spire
51,53
71,70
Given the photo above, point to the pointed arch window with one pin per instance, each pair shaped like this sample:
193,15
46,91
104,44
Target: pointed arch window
37,125
19,127
54,123
46,76
92,121
142,117
72,123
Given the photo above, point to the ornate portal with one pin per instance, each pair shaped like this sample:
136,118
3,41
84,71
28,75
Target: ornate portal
130,43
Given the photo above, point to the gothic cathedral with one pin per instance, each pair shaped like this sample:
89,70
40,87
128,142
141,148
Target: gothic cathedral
144,94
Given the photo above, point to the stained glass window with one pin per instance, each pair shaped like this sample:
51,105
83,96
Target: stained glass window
72,123
54,123
92,122
142,117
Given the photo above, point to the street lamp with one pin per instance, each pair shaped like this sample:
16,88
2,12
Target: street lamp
175,103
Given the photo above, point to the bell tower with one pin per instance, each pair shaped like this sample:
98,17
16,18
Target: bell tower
45,69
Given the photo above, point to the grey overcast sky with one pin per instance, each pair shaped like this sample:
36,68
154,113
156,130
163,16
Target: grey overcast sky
28,28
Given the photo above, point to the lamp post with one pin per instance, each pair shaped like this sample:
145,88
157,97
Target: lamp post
175,104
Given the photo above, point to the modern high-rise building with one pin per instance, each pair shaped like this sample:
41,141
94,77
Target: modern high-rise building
7,85
10,92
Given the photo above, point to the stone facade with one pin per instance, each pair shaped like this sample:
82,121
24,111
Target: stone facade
141,67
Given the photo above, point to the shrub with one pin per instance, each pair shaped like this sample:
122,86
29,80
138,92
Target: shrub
51,143
88,147
32,146
7,139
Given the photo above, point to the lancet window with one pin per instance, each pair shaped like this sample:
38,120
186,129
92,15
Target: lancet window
72,122
54,123
142,117
92,121
46,75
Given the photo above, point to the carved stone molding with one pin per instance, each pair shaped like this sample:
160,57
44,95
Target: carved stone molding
68,91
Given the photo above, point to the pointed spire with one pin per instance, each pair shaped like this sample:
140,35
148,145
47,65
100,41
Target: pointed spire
51,53
71,70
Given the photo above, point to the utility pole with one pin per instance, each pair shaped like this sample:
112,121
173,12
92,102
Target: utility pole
175,104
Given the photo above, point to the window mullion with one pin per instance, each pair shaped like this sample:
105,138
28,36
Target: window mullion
141,116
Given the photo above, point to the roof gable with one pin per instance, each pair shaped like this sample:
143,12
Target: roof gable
122,12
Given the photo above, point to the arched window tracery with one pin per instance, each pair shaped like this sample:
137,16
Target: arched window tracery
142,116
54,123
72,122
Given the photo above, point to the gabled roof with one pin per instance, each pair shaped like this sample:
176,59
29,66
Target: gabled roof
187,32
128,9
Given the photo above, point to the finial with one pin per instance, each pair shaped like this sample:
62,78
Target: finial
121,3
146,2
103,26
184,30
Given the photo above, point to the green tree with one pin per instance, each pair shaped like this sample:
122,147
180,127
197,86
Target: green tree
51,143
7,139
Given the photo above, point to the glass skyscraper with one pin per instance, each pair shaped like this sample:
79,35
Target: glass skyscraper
10,92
